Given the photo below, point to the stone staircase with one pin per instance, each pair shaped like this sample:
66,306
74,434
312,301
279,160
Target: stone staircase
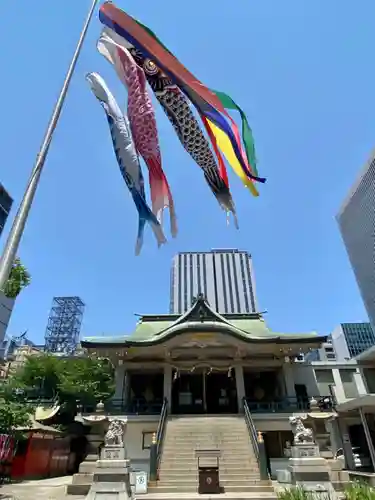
238,467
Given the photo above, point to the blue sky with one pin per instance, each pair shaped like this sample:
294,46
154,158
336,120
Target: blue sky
303,73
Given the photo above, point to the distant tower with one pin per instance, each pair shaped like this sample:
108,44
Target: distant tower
224,276
356,220
64,325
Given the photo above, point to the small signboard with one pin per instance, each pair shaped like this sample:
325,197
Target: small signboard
140,482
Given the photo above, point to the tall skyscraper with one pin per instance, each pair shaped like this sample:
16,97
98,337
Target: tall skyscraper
356,220
5,206
351,339
6,308
6,305
225,277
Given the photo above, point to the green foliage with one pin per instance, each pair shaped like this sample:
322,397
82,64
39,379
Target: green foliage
294,493
39,375
13,415
19,278
359,491
88,380
66,379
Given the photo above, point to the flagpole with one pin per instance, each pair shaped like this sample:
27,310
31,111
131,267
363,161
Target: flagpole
15,235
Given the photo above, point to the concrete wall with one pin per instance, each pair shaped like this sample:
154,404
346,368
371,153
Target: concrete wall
339,344
140,459
304,374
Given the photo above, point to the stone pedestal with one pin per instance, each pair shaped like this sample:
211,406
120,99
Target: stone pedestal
82,481
339,476
93,443
111,479
308,469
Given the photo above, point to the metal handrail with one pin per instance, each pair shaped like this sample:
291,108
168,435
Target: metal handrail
258,444
251,427
157,443
135,406
161,431
290,403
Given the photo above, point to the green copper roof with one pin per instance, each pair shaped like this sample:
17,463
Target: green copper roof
147,329
201,318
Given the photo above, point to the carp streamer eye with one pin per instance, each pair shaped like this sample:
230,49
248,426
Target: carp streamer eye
150,67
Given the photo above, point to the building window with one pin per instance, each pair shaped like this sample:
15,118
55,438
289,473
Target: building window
224,287
324,379
245,292
347,379
369,375
147,439
230,281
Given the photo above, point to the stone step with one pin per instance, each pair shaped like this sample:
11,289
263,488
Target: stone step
199,424
206,418
231,467
209,434
78,489
197,496
186,438
85,478
228,460
203,429
209,439
242,450
184,434
191,453
224,482
259,489
193,476
210,427
189,467
207,423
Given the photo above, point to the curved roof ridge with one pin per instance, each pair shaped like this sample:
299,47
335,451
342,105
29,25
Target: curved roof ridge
200,308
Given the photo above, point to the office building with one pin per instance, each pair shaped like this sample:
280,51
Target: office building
5,206
6,308
351,339
356,220
224,277
326,352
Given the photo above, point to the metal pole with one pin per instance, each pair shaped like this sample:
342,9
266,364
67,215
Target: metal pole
15,235
370,444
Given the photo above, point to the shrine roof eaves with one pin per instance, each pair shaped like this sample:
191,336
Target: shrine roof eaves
157,329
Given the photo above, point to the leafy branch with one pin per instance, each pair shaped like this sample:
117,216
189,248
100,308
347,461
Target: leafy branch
19,278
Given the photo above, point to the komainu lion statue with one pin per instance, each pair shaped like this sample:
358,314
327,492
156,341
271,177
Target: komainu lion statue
300,433
115,434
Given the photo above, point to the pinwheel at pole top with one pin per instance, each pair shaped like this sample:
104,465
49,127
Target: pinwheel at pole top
143,64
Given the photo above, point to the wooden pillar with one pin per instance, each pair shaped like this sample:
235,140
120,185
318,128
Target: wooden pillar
167,385
240,386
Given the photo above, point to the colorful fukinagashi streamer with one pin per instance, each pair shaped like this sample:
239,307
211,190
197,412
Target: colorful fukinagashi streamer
211,106
177,109
143,124
127,158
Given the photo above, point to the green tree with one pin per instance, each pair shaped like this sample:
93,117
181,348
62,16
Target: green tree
39,376
13,415
88,380
85,379
19,278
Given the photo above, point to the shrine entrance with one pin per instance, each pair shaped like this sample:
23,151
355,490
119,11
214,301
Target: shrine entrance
204,392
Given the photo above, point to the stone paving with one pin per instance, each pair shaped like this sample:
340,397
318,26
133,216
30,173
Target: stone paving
55,489
47,489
